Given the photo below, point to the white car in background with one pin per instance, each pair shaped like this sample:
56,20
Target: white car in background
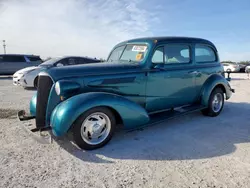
231,67
247,69
28,77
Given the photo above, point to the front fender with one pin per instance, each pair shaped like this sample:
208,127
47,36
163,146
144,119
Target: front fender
33,105
64,115
210,84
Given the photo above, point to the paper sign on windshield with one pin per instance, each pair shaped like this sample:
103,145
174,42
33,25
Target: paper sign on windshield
138,57
139,48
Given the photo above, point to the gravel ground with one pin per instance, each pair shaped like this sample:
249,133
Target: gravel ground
191,151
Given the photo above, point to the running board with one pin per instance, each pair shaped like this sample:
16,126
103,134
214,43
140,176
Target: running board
170,114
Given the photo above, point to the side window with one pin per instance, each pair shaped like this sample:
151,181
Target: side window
81,61
177,53
71,61
34,58
158,55
204,53
66,62
86,60
14,58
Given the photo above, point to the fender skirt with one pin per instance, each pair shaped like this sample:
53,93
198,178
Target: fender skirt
64,115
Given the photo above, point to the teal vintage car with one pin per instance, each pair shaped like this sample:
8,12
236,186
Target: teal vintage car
143,81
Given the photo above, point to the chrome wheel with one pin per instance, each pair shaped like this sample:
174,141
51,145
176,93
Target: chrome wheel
95,128
217,102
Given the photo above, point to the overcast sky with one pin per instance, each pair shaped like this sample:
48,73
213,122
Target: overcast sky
93,27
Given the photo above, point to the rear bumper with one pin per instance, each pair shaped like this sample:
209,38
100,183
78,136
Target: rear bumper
42,135
229,92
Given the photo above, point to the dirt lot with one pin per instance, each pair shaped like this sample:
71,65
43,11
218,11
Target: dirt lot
192,151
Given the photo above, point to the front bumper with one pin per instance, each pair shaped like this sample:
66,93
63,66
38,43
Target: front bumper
23,82
42,135
16,80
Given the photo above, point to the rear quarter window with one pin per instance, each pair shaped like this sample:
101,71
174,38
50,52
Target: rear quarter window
34,58
67,61
204,53
86,60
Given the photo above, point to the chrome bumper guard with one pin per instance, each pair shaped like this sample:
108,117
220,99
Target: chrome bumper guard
23,117
42,135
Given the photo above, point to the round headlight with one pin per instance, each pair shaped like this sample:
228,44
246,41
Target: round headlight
57,88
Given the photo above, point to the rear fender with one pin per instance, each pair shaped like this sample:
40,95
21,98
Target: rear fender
212,82
64,115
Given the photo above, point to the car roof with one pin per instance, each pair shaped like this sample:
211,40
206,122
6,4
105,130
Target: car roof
62,57
171,39
19,55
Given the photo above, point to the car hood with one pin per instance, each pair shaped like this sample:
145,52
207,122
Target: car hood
22,71
57,73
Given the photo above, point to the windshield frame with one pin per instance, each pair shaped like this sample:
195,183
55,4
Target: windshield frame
125,46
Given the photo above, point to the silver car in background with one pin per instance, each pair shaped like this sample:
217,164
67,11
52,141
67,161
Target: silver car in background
10,63
231,67
28,77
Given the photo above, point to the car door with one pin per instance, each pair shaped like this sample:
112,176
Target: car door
207,63
5,64
171,81
2,67
14,63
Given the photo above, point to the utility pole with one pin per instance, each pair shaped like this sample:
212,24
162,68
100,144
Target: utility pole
4,47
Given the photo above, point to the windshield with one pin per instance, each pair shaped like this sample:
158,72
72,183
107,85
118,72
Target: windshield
130,53
50,62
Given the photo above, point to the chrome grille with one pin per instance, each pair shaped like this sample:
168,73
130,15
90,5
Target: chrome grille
43,90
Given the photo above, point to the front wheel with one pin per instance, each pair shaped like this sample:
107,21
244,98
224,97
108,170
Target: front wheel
36,82
216,103
94,128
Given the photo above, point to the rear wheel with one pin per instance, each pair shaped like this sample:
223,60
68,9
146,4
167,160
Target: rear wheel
94,128
216,103
229,70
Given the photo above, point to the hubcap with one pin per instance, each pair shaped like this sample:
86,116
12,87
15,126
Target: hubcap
217,102
95,128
